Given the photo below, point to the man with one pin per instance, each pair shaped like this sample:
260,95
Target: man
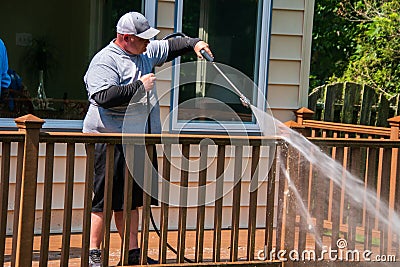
5,79
118,77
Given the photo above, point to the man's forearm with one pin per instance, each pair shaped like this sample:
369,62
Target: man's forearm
180,46
118,95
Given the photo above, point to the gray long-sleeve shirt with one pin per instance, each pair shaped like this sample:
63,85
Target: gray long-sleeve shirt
113,66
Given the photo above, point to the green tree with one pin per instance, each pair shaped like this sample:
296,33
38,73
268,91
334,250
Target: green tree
375,60
333,42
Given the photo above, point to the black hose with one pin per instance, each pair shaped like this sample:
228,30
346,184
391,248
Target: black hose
168,245
175,34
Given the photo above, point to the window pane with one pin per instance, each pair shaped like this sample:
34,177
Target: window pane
113,10
54,37
230,27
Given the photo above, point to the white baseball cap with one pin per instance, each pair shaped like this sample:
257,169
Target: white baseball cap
136,24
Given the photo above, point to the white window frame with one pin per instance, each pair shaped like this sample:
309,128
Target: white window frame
263,52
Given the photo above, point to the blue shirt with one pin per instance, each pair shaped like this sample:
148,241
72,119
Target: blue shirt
5,79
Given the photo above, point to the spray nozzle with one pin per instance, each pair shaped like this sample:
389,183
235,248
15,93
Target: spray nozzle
245,101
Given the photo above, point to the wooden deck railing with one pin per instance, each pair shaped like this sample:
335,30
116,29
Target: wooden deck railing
371,155
30,136
375,161
326,129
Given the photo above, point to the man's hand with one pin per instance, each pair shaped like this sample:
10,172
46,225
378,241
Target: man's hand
148,81
202,45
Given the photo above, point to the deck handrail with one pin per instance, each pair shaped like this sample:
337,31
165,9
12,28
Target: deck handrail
115,138
350,128
304,115
354,142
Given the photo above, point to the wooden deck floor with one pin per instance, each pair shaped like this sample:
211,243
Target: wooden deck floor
75,248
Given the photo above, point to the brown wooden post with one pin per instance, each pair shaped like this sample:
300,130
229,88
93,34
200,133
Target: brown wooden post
394,135
303,114
31,125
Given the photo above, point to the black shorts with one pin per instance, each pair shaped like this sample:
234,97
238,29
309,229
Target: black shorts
118,182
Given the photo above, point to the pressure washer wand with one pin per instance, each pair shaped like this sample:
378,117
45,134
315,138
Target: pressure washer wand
245,101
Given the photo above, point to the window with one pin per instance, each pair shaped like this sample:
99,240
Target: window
113,10
238,34
53,42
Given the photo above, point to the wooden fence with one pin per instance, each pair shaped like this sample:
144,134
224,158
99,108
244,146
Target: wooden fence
353,103
376,160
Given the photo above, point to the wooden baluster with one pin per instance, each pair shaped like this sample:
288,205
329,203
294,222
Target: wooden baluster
384,198
354,209
255,161
107,208
128,184
68,196
370,185
219,185
236,203
47,198
310,181
320,190
183,203
201,202
331,184
336,200
394,135
269,226
378,186
17,199
303,191
366,179
147,187
291,200
87,204
281,167
166,178
343,198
